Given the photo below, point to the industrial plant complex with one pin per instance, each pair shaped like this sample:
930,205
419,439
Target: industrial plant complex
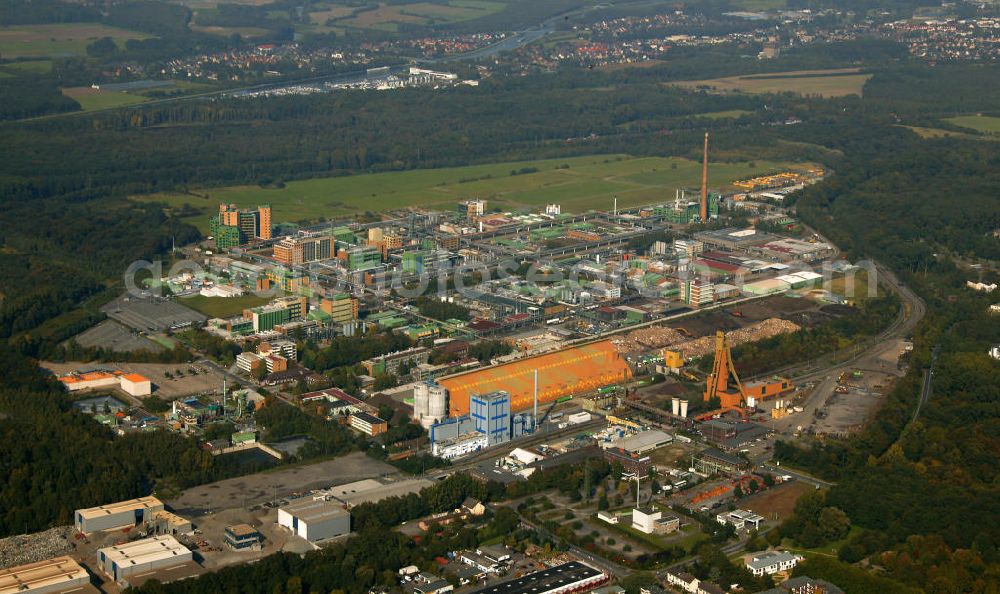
606,339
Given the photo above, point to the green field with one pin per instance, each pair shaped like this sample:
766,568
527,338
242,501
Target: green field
759,5
93,99
823,83
587,183
979,123
388,17
721,115
222,307
64,39
27,67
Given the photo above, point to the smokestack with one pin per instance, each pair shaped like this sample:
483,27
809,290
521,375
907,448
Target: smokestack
704,183
616,206
675,405
536,398
684,408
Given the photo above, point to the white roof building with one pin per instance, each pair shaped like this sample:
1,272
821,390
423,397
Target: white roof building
315,520
771,562
60,574
652,521
525,457
642,442
739,518
116,515
142,556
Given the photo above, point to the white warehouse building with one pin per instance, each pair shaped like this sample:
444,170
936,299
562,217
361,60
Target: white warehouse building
52,576
116,515
143,556
315,519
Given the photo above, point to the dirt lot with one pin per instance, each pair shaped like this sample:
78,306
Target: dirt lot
832,413
776,503
258,488
206,380
673,455
212,528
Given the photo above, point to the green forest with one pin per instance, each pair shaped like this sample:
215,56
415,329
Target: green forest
925,489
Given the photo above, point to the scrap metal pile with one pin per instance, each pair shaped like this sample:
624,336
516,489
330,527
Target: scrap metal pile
31,548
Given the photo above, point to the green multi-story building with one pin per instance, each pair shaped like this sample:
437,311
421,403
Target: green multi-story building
363,258
234,226
414,262
344,235
226,236
267,317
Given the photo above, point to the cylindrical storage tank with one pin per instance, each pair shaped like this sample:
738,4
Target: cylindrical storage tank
684,408
421,399
675,405
437,405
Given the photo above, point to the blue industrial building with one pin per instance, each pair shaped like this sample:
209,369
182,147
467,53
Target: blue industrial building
489,423
491,414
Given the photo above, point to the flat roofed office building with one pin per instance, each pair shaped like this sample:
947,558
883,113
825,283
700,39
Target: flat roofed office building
143,556
52,576
315,520
116,515
242,537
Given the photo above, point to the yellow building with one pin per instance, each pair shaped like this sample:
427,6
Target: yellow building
341,308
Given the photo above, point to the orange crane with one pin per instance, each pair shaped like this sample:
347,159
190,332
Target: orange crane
724,383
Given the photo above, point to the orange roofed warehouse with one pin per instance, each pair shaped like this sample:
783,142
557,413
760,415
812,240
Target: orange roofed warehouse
562,373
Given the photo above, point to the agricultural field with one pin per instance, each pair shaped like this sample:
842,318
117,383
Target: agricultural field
388,17
856,286
578,183
759,5
330,13
777,503
923,132
64,39
245,32
721,115
26,67
824,83
91,99
196,4
980,123
222,307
